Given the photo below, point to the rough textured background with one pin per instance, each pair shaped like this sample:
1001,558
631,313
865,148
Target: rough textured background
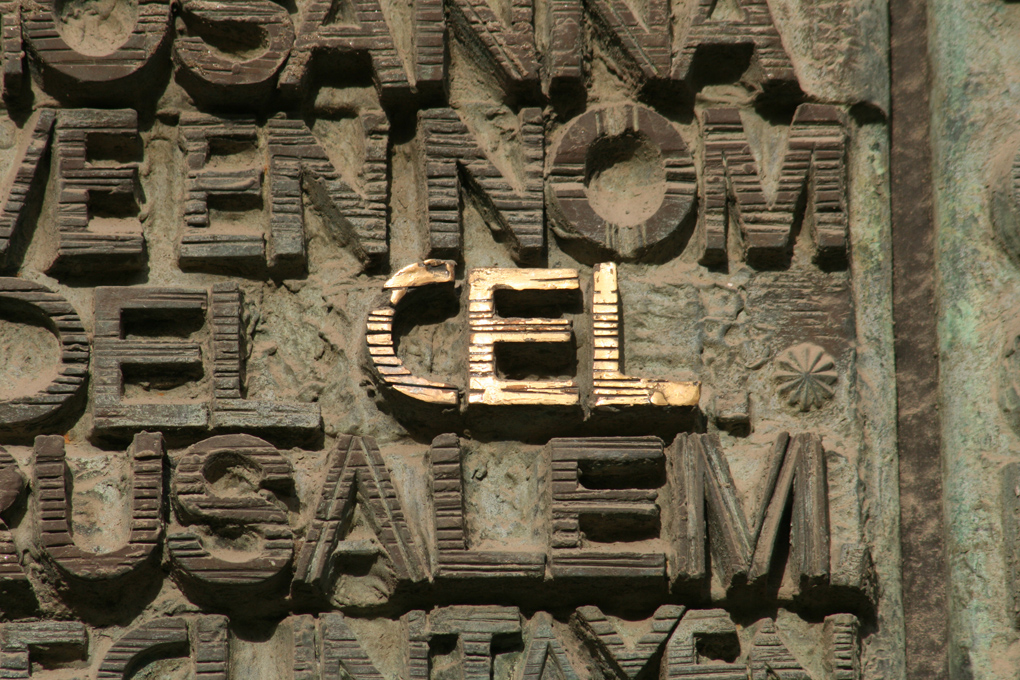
683,321
975,122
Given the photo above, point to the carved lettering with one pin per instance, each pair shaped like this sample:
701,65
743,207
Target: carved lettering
429,45
488,328
814,162
356,475
203,639
770,657
13,47
12,483
473,500
220,78
117,353
225,169
475,628
82,73
54,527
162,636
562,61
607,217
20,641
506,41
321,36
231,407
417,645
237,188
98,202
389,369
258,514
214,361
610,387
342,654
24,181
211,648
703,636
691,643
638,36
29,412
582,513
683,658
709,36
545,657
626,661
456,557
510,200
298,162
304,663
843,637
740,548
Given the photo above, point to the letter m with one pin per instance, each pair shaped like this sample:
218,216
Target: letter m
811,186
742,551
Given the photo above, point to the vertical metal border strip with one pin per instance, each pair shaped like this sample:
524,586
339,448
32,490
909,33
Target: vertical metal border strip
922,517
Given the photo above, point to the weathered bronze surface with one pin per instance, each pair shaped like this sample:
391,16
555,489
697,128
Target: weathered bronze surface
497,340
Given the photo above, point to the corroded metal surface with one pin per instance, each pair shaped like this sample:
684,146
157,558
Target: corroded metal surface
493,339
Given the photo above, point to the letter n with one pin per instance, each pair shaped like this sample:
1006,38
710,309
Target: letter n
458,169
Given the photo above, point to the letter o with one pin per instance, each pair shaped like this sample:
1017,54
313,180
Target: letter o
622,180
66,68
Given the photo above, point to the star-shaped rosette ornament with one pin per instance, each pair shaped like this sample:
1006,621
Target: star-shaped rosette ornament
805,375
